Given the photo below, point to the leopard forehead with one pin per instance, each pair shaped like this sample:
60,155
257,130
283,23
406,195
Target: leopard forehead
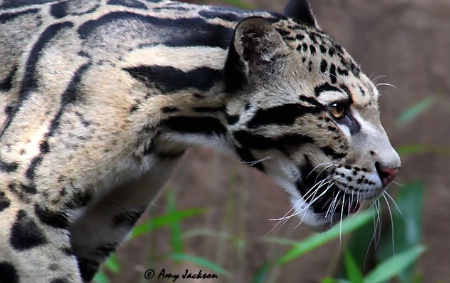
317,72
325,65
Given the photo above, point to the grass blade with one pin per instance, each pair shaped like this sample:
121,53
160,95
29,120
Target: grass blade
421,149
318,240
261,275
200,261
158,222
238,3
407,226
100,277
176,240
280,241
112,263
353,272
393,266
332,280
415,110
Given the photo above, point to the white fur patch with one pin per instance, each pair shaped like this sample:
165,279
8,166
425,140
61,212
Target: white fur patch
183,58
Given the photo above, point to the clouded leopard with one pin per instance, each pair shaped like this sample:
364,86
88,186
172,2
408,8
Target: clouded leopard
99,99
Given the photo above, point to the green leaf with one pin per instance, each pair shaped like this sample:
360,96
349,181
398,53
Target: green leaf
422,149
261,275
176,240
353,272
317,240
393,266
358,244
200,261
280,241
417,278
112,264
407,230
100,277
332,280
207,233
406,220
238,3
158,222
415,110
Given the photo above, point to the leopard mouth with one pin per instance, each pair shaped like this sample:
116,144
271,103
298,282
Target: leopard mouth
329,199
323,197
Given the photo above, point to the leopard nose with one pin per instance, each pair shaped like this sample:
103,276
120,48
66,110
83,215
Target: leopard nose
386,174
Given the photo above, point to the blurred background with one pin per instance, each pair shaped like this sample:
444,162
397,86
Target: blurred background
214,212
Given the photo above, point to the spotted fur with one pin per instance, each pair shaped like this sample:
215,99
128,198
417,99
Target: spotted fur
99,99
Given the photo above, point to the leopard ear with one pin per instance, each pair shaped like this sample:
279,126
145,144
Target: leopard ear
300,10
255,52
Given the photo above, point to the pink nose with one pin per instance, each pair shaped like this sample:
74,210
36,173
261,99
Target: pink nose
387,175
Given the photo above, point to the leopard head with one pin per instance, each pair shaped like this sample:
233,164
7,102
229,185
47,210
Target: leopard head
301,110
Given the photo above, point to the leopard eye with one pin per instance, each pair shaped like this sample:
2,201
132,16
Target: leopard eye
337,109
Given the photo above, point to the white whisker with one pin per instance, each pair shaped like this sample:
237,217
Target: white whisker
317,166
310,203
311,193
377,78
253,163
386,84
380,222
398,184
396,206
340,223
330,183
392,223
282,220
377,222
333,206
318,175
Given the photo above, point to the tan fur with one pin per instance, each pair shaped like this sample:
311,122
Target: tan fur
98,102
